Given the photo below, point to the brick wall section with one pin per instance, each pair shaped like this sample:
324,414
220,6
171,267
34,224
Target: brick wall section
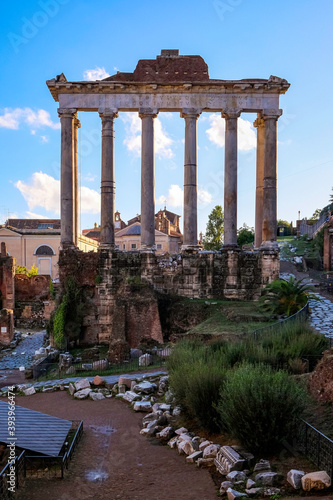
116,312
32,288
7,282
6,326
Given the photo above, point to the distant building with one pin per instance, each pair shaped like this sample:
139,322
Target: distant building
37,241
168,236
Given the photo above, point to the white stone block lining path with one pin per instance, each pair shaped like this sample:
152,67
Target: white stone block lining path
321,315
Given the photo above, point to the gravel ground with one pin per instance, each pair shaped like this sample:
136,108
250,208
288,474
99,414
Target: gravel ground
113,461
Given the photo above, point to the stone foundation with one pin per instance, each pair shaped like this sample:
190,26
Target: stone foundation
120,287
6,326
7,290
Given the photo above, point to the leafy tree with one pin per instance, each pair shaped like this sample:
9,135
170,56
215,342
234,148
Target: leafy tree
284,223
285,297
213,238
245,235
33,271
316,214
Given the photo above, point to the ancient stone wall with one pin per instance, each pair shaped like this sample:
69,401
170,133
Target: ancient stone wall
32,288
121,303
32,301
7,296
7,290
6,326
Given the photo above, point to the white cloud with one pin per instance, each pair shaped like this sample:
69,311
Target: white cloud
246,133
133,140
44,138
175,197
89,177
13,118
204,197
95,74
33,215
44,191
90,201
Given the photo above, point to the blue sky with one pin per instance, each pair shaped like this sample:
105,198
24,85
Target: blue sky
237,38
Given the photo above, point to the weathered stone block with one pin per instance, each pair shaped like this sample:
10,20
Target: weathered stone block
316,481
294,477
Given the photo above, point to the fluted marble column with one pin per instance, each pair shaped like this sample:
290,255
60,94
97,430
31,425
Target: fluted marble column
190,237
67,116
147,179
230,179
260,126
77,125
269,190
107,179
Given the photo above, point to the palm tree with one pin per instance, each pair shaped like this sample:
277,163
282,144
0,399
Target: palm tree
286,297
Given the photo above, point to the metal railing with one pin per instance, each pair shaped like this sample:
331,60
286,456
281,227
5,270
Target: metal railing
314,445
311,229
77,436
300,315
85,368
43,466
18,464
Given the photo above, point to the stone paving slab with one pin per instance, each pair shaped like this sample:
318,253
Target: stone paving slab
23,354
321,315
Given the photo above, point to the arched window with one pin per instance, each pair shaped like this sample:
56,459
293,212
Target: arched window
44,250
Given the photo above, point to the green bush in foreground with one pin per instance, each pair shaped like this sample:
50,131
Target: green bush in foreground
196,378
258,406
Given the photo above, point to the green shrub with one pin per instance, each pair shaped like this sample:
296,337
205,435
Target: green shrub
196,379
258,406
285,297
68,317
52,290
59,321
33,271
295,340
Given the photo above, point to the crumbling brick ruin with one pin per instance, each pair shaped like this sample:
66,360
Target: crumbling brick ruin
7,297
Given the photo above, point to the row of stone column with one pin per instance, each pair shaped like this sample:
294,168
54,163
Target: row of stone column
265,224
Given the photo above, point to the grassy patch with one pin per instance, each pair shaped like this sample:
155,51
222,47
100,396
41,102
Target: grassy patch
232,318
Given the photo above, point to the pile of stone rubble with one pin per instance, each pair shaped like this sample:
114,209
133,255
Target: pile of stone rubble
241,476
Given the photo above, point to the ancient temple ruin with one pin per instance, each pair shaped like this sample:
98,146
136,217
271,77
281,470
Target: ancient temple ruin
174,83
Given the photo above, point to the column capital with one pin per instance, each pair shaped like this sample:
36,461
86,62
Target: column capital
108,113
271,114
259,122
190,113
67,112
231,113
77,122
144,112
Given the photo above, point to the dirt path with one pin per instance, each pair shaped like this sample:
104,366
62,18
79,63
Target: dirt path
134,467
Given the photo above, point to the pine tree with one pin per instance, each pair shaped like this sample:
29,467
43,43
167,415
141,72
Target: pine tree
213,238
